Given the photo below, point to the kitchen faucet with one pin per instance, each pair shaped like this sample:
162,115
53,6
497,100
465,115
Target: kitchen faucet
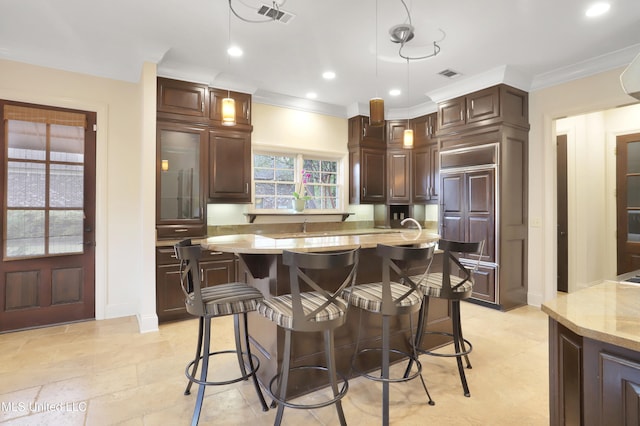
410,219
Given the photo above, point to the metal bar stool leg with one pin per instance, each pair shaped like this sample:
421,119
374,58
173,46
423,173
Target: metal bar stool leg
456,341
236,332
203,372
329,350
422,320
250,358
187,391
284,377
385,370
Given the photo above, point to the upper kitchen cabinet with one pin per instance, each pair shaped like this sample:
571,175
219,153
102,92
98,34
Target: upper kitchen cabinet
399,179
229,166
180,180
424,129
395,132
182,101
243,108
367,162
495,104
425,173
361,133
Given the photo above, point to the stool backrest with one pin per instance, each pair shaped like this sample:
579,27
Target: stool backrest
449,258
399,260
319,272
190,276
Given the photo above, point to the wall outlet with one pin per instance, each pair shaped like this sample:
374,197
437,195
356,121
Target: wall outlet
536,222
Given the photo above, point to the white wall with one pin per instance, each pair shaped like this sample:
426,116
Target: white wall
588,95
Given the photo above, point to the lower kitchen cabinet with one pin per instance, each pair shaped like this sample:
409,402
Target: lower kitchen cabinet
217,268
591,382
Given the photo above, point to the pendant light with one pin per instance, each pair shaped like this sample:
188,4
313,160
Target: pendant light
407,137
228,103
376,105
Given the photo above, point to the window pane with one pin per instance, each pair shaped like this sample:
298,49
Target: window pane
66,186
284,175
67,143
633,191
284,163
27,141
65,231
633,157
25,233
260,160
26,184
263,174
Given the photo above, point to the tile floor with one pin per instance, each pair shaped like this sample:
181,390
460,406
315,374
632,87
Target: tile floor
105,373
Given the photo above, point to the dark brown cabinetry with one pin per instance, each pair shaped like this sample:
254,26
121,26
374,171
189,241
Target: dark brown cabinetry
483,183
399,179
591,382
218,268
367,162
181,100
180,184
229,166
395,132
495,104
243,108
425,164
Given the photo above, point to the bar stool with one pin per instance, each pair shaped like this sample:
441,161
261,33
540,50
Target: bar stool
321,309
444,285
390,298
211,302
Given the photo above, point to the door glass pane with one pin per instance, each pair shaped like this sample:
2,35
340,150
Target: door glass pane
633,191
27,141
634,226
26,184
633,157
65,231
25,233
67,143
180,175
66,186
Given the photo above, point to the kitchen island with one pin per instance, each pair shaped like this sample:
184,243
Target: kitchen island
260,264
594,355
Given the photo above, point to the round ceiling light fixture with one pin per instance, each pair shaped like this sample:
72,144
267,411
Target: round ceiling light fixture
401,33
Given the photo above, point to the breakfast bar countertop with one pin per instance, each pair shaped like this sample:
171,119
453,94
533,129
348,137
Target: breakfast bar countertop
316,241
608,312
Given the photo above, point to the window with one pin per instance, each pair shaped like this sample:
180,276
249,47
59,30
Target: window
44,198
278,176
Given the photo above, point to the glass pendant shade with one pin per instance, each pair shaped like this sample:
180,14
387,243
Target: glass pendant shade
228,112
407,140
376,112
164,165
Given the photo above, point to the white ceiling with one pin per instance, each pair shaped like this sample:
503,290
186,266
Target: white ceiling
529,44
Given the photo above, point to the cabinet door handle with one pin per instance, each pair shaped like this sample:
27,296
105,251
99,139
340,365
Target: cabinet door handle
181,230
246,190
215,253
364,192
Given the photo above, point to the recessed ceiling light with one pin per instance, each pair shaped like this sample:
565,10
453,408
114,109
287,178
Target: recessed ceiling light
395,92
597,9
234,51
312,95
328,75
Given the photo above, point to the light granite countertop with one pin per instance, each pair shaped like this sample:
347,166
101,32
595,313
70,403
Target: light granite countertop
608,312
316,241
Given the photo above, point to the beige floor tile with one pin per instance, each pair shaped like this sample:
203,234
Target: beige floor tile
127,378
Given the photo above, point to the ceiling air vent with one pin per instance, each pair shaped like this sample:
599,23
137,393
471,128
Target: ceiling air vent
449,73
275,14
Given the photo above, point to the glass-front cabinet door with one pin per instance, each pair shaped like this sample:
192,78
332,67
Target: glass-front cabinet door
180,208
